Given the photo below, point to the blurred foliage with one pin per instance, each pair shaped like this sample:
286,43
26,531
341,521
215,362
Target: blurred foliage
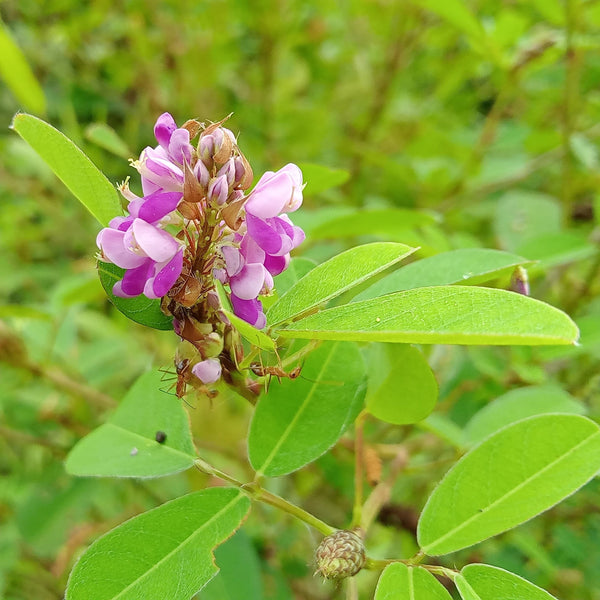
484,113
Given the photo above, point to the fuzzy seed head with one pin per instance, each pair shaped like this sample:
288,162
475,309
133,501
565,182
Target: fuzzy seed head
340,555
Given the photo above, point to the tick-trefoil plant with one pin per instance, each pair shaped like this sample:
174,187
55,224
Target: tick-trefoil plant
197,254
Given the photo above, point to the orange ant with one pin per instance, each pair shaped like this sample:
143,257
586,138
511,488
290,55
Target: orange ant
275,371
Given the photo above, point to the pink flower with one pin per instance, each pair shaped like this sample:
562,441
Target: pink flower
152,258
276,193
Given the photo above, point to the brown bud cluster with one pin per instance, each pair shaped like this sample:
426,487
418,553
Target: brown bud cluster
340,555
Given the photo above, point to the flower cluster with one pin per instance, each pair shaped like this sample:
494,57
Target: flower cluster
195,224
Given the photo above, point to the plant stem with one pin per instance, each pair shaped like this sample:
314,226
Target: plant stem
255,492
359,453
382,492
570,98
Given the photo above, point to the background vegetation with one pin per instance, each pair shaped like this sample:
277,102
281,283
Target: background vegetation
483,114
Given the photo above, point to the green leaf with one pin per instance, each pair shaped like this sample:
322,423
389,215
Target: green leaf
239,575
299,420
457,14
296,270
335,276
441,315
319,178
389,223
517,405
126,446
558,248
402,389
399,582
522,215
253,335
106,137
139,309
18,76
164,553
71,166
519,472
468,265
485,582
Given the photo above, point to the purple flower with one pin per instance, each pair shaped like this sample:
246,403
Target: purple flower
249,310
153,258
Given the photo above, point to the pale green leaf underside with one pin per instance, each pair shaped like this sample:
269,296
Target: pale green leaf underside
441,315
334,277
402,389
467,265
86,182
126,446
299,420
484,582
164,553
517,405
253,335
399,582
18,76
519,472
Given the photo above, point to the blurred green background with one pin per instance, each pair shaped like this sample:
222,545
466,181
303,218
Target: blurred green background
481,114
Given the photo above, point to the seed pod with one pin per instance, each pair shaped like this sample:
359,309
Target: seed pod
340,555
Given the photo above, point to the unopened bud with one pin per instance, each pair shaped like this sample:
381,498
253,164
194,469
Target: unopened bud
223,147
228,170
243,173
218,190
202,174
520,281
340,555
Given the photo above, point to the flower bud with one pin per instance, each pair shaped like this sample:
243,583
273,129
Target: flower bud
519,281
340,555
202,174
207,371
223,148
218,190
228,170
243,173
206,149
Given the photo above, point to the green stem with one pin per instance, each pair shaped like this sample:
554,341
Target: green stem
255,492
570,97
359,452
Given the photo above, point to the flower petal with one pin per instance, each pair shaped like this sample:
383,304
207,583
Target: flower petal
158,205
207,371
166,276
155,243
276,264
164,127
248,282
113,248
134,280
249,310
234,260
180,149
264,235
272,192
